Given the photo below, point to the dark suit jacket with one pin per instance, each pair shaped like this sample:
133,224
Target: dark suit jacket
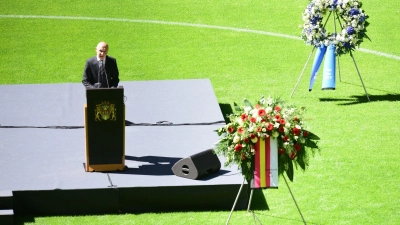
91,73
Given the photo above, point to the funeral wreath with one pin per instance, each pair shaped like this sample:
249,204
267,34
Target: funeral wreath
267,118
352,21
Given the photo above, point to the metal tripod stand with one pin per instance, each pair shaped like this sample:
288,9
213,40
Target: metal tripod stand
251,197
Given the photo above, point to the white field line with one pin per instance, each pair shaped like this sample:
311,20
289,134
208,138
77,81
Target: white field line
243,30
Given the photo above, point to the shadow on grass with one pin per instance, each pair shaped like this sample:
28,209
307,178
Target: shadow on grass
226,110
258,201
21,220
359,99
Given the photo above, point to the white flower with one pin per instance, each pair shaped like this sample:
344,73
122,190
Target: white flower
269,100
254,113
239,121
236,139
286,130
251,129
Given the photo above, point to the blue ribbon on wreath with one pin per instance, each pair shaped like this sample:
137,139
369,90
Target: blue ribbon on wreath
328,78
319,55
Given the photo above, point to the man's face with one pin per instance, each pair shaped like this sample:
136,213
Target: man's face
101,51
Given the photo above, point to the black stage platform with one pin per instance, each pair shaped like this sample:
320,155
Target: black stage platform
42,151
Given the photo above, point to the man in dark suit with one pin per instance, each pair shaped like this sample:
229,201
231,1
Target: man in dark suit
101,71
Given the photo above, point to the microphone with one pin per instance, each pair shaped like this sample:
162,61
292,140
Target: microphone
103,69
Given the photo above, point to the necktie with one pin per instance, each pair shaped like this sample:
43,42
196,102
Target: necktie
101,72
101,66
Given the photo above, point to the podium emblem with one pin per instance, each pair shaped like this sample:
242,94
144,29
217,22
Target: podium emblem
105,111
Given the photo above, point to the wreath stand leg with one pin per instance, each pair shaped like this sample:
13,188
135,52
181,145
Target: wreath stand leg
340,78
294,200
355,64
302,72
304,221
338,64
336,17
234,204
251,198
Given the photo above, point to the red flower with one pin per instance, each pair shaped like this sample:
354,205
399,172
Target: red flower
277,108
296,131
258,129
261,112
305,133
244,117
281,129
282,121
257,106
297,147
277,116
240,130
270,126
285,138
253,120
231,129
238,147
246,140
252,136
281,151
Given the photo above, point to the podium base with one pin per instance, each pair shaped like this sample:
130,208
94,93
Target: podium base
119,165
104,167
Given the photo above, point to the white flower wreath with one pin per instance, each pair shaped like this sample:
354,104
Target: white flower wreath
353,28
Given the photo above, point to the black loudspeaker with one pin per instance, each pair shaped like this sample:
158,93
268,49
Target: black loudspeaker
197,165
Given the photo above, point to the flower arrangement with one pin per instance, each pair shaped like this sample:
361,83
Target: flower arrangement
267,118
352,32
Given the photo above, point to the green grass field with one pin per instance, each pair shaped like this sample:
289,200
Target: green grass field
247,49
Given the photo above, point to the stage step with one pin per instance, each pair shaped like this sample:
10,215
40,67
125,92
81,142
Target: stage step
6,217
6,208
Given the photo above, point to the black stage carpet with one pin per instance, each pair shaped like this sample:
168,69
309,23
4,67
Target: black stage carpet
42,151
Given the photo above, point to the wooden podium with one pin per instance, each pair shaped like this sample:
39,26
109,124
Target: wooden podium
105,129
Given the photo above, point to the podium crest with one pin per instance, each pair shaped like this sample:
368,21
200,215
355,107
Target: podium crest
105,111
